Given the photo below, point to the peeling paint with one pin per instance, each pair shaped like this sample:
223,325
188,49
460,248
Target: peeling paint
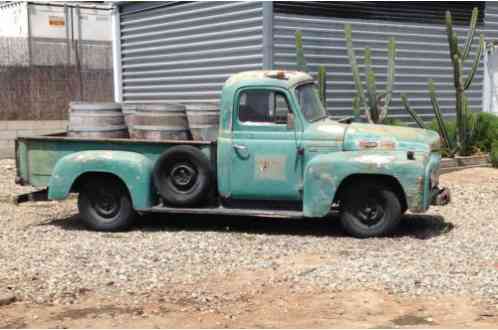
379,160
270,167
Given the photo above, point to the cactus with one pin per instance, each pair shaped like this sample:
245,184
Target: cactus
300,61
356,107
458,57
302,66
412,112
322,84
465,123
443,131
375,105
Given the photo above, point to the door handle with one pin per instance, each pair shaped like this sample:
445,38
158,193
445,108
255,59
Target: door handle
241,150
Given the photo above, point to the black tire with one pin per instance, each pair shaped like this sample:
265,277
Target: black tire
369,209
105,205
183,177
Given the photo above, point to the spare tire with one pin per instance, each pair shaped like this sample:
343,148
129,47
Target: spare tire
183,176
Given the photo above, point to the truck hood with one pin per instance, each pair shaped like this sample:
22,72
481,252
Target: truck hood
367,136
325,131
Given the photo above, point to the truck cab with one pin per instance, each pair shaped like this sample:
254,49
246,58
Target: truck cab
278,153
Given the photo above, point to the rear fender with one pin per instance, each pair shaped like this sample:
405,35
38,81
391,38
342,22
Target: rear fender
134,169
325,173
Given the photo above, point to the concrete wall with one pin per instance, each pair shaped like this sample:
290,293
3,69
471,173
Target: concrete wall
57,56
10,130
44,92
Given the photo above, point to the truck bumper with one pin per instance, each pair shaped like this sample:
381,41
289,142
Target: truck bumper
440,196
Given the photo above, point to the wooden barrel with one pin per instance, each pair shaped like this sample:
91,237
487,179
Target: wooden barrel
203,121
161,121
96,120
129,111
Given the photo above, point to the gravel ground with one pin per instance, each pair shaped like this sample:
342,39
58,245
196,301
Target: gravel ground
47,256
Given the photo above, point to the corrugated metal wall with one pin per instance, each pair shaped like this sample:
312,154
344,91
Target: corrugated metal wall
184,52
422,53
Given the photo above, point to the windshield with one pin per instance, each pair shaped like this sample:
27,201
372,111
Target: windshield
309,101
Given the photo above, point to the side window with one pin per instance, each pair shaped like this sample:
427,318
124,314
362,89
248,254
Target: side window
263,106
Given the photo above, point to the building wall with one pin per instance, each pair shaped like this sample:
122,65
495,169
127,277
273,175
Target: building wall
67,57
62,36
11,129
184,52
13,34
422,54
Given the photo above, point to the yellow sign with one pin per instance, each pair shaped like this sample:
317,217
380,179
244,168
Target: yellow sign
55,21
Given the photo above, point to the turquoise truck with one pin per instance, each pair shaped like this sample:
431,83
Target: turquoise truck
278,154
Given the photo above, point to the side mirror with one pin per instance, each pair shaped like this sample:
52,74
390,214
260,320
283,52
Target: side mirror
290,120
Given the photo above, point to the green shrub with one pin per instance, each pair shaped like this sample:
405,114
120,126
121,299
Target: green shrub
452,131
486,131
494,154
393,122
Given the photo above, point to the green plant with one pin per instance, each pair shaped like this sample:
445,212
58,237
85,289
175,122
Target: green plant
441,126
494,154
322,84
393,122
300,60
302,66
375,105
412,112
486,132
458,57
466,123
451,130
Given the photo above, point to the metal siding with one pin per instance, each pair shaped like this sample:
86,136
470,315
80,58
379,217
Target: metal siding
422,53
184,53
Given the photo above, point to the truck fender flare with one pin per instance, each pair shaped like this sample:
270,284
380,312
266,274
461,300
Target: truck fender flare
324,174
133,169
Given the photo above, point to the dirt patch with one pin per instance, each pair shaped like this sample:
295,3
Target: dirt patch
244,300
409,319
93,312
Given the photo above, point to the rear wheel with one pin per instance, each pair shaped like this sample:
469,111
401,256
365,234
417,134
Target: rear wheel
370,209
105,205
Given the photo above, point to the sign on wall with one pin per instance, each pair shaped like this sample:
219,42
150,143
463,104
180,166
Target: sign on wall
55,21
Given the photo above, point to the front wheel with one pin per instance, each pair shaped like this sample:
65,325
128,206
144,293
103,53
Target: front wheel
105,205
370,210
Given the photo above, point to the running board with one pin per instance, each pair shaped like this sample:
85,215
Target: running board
226,211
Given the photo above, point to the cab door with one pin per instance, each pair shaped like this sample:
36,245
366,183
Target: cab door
264,160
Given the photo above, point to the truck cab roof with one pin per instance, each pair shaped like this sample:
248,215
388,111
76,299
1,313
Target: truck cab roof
281,78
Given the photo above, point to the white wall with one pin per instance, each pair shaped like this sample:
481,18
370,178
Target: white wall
96,25
14,20
53,22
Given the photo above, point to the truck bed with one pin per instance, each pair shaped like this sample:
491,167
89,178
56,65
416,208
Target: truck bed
36,156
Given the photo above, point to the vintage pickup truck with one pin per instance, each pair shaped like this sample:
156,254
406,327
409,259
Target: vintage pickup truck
278,154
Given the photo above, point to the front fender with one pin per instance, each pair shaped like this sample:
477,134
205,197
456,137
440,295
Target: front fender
324,174
134,169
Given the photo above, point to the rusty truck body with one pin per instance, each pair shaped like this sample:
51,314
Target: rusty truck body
278,154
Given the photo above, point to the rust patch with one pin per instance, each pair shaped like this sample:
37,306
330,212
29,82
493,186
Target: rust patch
270,167
387,144
364,144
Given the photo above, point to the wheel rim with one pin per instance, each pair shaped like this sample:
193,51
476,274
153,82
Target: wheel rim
183,176
106,204
371,211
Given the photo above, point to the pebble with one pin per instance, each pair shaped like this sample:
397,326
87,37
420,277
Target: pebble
47,255
7,299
